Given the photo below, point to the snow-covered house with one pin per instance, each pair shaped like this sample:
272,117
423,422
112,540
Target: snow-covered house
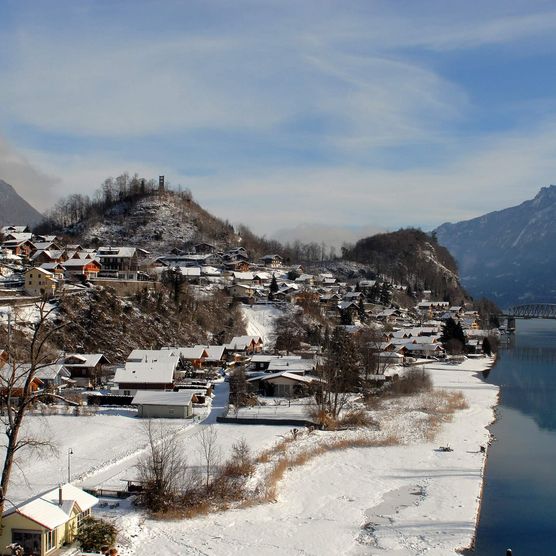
148,370
272,261
48,521
168,405
87,369
245,345
40,282
283,384
54,377
86,268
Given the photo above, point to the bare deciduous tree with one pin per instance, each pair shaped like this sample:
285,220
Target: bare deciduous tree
28,352
163,469
209,452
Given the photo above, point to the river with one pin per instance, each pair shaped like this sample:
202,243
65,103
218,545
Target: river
519,502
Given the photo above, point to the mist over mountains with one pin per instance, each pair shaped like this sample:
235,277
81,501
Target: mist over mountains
508,255
14,209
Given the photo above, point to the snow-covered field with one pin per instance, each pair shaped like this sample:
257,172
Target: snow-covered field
398,500
260,321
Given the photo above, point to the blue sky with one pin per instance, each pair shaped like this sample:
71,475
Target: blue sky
278,113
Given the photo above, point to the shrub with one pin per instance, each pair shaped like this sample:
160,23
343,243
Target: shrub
411,383
95,533
355,418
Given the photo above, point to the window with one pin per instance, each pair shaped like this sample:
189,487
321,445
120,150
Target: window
127,392
29,540
81,517
50,540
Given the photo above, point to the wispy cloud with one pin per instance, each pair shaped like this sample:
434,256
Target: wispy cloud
280,113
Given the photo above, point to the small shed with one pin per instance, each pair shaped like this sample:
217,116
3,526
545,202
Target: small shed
168,405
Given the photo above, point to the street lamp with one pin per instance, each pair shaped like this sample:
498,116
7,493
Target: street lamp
70,453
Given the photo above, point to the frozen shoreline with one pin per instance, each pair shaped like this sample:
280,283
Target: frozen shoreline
400,500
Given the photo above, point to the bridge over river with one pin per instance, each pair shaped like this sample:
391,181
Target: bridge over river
529,311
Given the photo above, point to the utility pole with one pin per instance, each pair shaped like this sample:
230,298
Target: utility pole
70,453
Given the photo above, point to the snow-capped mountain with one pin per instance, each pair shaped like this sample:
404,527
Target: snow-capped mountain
508,255
14,210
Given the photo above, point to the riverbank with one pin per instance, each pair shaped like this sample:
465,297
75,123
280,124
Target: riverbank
399,500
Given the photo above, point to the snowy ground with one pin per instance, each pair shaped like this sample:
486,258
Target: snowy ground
260,321
400,500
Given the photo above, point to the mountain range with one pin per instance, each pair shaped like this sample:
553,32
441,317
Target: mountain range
508,255
14,209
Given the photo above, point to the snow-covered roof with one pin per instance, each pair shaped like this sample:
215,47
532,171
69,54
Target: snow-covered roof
305,379
214,353
160,372
243,342
84,359
154,397
265,358
192,271
292,365
116,252
79,263
45,509
155,355
16,377
243,276
191,353
50,372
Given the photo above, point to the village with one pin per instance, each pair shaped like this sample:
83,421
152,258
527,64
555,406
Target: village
259,383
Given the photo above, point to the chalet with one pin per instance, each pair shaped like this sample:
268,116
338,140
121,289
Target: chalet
56,268
148,370
243,277
44,245
272,261
292,364
283,384
204,248
191,274
6,230
54,377
242,291
245,345
237,265
136,376
48,521
260,362
40,282
193,355
82,268
38,258
214,355
425,350
87,369
119,262
22,248
168,405
13,378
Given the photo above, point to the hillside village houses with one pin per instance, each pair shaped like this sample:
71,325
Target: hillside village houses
172,381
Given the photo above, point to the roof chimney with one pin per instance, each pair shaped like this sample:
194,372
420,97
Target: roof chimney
60,496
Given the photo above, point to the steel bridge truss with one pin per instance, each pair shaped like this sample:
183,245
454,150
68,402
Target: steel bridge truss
532,311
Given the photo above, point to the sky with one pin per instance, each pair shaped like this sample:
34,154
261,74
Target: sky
283,114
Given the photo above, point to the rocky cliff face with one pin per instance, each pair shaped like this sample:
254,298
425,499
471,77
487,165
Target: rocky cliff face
508,255
14,210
